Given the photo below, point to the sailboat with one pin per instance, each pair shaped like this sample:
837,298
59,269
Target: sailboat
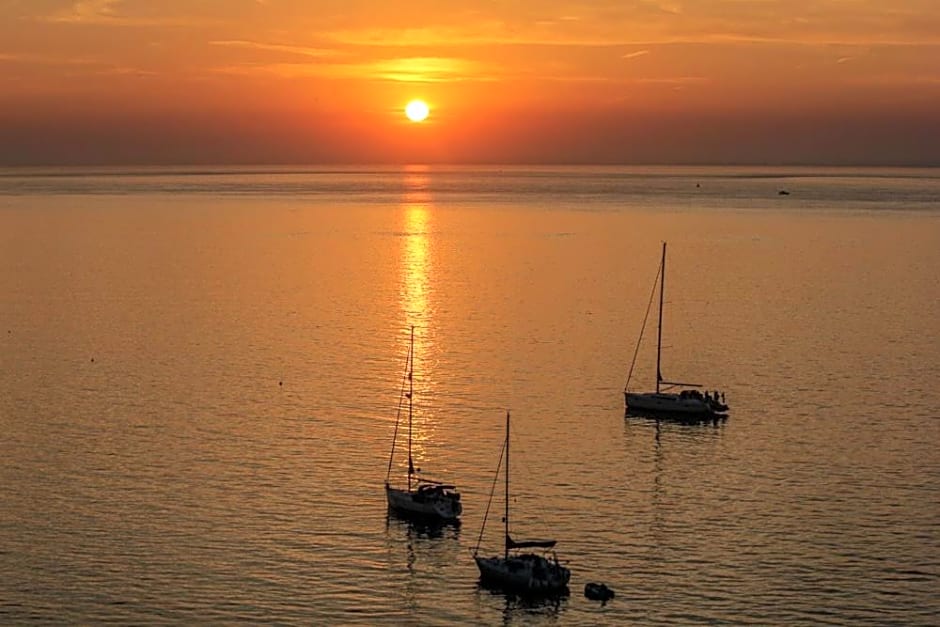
686,403
524,573
420,498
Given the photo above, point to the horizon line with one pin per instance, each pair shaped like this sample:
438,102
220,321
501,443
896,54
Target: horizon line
468,163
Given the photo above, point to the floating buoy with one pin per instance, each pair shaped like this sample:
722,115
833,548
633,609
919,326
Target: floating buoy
598,592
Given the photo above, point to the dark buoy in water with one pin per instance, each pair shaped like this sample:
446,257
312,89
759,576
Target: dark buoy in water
280,383
92,360
598,592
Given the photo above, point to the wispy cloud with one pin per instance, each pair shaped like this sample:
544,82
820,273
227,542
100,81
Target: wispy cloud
425,69
930,80
408,70
633,55
108,13
671,80
274,47
595,23
44,59
88,12
482,33
72,66
672,8
125,71
650,22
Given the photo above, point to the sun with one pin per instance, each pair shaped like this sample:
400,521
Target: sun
417,110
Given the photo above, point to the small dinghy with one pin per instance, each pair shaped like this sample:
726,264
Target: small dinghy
598,592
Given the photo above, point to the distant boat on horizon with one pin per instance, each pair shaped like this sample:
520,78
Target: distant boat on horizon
686,404
420,498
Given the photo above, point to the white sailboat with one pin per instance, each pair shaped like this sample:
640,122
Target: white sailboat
420,498
686,403
524,573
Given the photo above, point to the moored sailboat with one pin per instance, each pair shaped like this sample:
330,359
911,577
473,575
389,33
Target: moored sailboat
688,402
420,498
522,573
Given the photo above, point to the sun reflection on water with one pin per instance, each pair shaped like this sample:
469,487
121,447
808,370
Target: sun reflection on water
415,301
416,261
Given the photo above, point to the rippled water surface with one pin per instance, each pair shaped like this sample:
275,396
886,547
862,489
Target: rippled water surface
199,374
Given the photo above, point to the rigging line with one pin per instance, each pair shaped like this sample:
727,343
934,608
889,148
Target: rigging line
489,502
646,316
401,402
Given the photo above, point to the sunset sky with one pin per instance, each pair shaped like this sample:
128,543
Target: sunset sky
523,81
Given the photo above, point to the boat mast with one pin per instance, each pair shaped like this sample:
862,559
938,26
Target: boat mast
411,389
659,328
506,515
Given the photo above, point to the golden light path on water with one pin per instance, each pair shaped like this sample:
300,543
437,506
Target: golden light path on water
416,276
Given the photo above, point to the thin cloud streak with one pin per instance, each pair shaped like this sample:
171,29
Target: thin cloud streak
87,12
274,47
407,70
106,13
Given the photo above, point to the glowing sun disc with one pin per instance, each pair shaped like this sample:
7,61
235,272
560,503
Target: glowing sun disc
417,110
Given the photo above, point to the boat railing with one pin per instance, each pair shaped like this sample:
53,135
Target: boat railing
443,485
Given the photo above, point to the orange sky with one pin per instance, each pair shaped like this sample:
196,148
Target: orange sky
527,81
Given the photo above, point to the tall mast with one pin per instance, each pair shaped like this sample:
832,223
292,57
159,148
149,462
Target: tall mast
411,390
506,516
659,329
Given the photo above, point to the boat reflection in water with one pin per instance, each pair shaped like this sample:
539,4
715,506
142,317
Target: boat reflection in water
516,606
418,528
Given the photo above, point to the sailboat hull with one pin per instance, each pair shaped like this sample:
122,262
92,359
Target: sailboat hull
667,404
527,574
442,506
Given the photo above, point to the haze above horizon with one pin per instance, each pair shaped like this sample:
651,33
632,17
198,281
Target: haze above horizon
126,82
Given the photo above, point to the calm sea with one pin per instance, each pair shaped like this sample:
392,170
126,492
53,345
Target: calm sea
200,368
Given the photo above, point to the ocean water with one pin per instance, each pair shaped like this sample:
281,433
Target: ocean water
200,370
